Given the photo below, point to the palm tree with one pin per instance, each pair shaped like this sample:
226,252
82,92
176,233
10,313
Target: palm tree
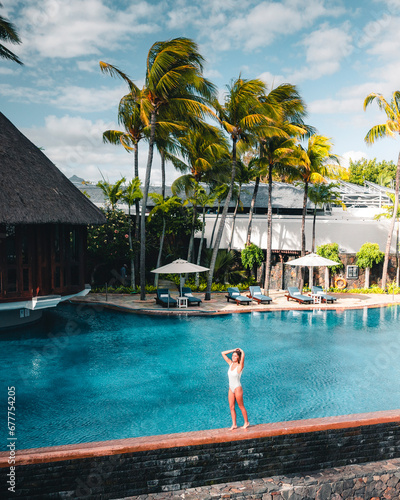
388,214
173,81
200,150
313,167
204,200
8,33
112,192
131,196
277,149
255,174
163,206
388,129
321,194
240,115
243,176
277,153
129,117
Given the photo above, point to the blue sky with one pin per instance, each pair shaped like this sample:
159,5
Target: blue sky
336,52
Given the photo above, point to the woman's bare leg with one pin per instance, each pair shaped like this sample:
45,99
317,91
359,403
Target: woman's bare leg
239,399
231,399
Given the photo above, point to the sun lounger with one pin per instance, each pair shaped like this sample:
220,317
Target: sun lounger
164,298
234,294
318,290
255,294
192,301
294,293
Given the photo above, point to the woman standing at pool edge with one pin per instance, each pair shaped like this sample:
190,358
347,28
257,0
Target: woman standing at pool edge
235,388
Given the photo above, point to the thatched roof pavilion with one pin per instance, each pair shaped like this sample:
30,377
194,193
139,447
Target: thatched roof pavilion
43,229
32,188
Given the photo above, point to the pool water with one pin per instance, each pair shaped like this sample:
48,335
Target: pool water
90,375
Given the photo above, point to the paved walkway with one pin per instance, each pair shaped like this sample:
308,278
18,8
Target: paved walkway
219,305
372,481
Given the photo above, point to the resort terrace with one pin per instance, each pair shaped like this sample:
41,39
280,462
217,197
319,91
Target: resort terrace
219,305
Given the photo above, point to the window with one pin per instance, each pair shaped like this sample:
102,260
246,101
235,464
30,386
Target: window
352,272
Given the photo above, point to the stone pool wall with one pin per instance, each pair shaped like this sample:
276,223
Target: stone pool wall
117,469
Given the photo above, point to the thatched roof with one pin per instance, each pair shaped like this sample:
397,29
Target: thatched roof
33,190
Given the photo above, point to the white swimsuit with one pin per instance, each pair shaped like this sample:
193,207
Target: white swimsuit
234,378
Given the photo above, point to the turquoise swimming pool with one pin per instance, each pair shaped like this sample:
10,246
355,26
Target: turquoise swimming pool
91,375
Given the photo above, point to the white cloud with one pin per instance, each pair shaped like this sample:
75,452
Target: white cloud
259,26
68,97
75,145
91,66
271,80
352,155
325,49
55,28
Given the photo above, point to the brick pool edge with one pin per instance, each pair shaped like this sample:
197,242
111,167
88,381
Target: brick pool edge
126,467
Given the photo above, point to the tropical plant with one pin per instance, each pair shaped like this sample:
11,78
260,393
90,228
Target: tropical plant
227,266
331,251
131,195
9,34
240,115
322,194
388,129
173,81
368,255
108,244
373,171
112,192
252,256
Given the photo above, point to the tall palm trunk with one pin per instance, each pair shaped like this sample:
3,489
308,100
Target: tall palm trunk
222,222
191,241
215,224
313,229
234,218
133,283
137,210
144,204
163,174
269,233
197,281
162,237
392,223
397,254
303,233
251,212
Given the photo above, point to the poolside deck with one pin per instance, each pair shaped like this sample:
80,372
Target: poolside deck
219,305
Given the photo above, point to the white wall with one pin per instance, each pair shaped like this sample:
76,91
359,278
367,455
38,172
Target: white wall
349,233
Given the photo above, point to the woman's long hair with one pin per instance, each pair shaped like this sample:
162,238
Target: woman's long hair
239,353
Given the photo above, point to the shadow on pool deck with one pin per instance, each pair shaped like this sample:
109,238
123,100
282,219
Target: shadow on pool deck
219,305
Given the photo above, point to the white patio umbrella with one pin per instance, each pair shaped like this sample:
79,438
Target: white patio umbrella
312,260
180,267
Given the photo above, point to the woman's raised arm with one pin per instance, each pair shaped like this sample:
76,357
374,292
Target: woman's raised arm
224,355
241,364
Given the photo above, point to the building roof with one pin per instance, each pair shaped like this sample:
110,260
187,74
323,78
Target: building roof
284,196
32,188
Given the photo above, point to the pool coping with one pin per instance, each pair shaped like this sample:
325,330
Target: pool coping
195,438
139,308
